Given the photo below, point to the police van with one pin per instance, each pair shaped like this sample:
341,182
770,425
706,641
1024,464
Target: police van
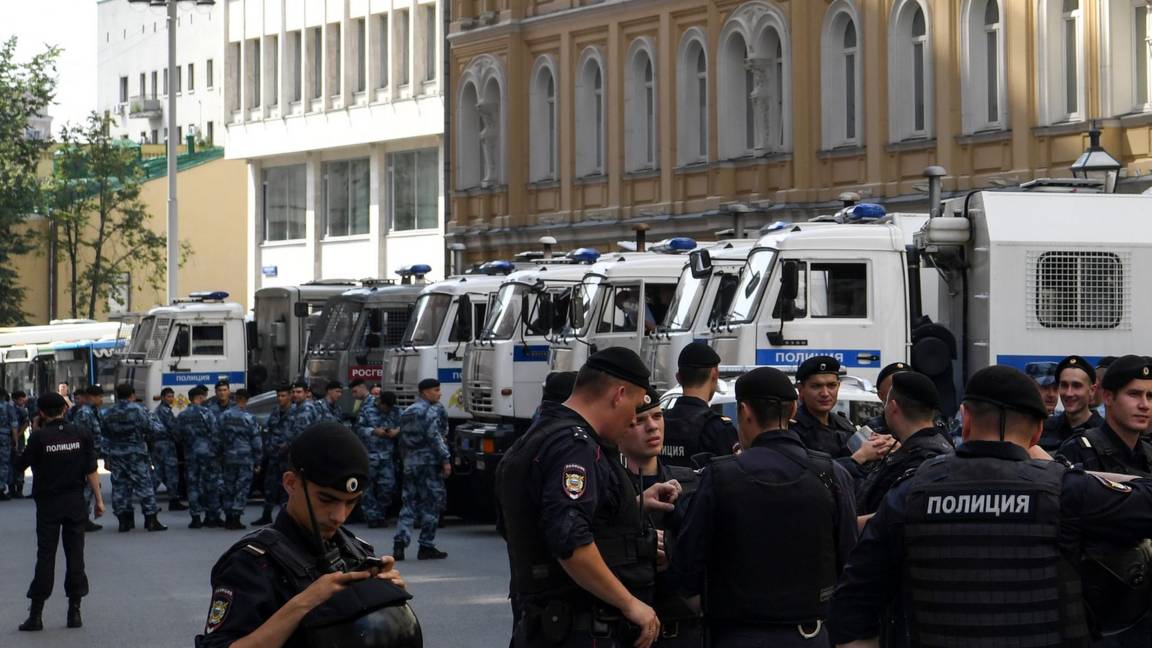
196,341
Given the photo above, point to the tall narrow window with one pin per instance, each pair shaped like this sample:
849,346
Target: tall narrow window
849,54
778,95
749,110
550,106
123,89
919,54
992,60
296,48
649,114
430,42
273,50
361,55
143,85
384,54
179,79
542,122
640,112
1143,54
589,107
209,72
335,61
165,90
403,44
191,77
254,63
317,63
701,102
1070,41
154,85
598,98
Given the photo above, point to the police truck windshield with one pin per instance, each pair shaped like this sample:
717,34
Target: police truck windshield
427,319
753,280
341,323
505,315
689,292
587,297
141,337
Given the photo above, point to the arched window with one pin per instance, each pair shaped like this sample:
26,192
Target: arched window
692,99
542,133
983,75
641,148
754,82
840,85
909,73
590,112
771,89
480,125
734,84
1060,39
1127,56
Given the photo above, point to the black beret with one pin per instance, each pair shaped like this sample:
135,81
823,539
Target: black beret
817,365
300,384
94,390
894,368
329,454
1076,362
1125,369
284,387
651,401
51,402
1006,387
765,383
916,387
223,382
335,384
698,355
622,363
1105,362
388,398
427,383
558,386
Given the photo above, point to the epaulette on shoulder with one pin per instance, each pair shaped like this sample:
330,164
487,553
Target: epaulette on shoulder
1085,442
908,474
581,434
255,550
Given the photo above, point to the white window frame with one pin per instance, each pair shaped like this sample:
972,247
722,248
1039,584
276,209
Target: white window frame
543,117
591,114
1120,56
975,67
641,114
903,45
833,81
733,95
692,96
1051,70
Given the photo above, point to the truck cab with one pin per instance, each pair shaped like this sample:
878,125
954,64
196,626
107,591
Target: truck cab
199,340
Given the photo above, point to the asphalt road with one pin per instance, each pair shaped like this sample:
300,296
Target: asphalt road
151,590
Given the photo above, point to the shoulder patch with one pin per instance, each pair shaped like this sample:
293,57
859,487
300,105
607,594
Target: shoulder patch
1111,485
575,481
255,550
221,604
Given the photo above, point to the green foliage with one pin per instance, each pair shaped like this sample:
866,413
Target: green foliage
101,225
26,91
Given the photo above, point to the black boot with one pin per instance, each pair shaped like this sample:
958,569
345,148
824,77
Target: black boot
195,523
74,620
213,522
398,551
264,519
125,522
91,526
177,505
430,553
152,524
34,622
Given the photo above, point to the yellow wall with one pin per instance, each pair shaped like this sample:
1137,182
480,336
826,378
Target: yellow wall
212,205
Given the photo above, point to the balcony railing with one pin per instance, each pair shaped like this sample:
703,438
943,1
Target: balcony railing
145,107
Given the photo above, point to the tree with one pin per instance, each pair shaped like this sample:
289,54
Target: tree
26,91
102,226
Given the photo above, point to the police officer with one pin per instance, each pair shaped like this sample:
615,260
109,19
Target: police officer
165,439
883,385
680,624
330,406
427,463
63,459
223,400
910,409
767,530
378,424
198,429
278,426
241,447
977,539
271,588
557,389
820,428
692,426
23,421
1076,381
1044,375
1119,445
305,411
126,427
582,556
8,444
86,415
1098,396
360,396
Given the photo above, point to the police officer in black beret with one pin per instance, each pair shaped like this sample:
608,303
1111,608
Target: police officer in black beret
557,389
883,384
1118,445
691,426
768,529
910,408
823,429
283,584
581,553
978,540
1076,382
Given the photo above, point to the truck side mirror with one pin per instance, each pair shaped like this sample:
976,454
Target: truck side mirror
252,335
181,345
300,309
372,341
700,262
464,318
790,281
576,312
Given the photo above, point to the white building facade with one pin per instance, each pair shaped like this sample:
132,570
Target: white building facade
132,70
337,107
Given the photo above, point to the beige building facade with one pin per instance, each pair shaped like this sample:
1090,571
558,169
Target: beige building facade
580,119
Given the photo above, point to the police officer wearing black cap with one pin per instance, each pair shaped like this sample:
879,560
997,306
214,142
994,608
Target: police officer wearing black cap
820,427
1076,382
883,384
977,541
581,553
1118,445
767,530
557,389
691,426
910,408
305,576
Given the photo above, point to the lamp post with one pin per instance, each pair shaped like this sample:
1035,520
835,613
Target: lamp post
173,224
1096,163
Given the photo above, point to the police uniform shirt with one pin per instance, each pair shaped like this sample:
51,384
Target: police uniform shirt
872,579
1058,429
61,456
248,586
692,427
915,450
1102,450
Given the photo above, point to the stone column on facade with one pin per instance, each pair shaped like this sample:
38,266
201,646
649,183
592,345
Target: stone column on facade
761,95
489,141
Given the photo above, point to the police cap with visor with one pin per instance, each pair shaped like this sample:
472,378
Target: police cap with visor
765,383
651,401
698,355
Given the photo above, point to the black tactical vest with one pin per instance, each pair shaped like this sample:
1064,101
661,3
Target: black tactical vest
682,434
624,538
784,534
1108,457
984,566
298,566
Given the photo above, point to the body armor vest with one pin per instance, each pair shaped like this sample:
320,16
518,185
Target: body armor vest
682,435
984,566
785,536
625,540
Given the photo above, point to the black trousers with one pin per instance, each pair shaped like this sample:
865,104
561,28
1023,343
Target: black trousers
60,516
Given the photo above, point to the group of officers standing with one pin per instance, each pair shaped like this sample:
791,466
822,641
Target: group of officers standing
629,526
